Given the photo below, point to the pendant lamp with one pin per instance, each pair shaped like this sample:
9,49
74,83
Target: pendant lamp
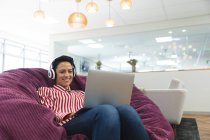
109,22
77,19
39,14
92,7
125,4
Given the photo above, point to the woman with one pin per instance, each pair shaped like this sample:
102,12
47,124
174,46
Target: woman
102,122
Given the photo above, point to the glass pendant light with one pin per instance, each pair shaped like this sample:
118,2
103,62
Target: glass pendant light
92,7
77,19
39,14
125,4
110,22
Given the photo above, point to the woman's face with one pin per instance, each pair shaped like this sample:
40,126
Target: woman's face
64,74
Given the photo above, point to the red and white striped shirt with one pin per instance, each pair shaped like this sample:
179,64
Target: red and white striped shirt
61,101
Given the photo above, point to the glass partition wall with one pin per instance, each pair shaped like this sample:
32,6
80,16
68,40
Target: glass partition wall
180,48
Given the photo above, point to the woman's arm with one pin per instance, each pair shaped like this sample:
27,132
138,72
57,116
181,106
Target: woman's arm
45,96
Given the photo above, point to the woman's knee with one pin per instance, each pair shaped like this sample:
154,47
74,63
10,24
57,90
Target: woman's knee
126,110
106,110
107,113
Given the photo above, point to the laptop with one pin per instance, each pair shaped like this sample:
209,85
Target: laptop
105,87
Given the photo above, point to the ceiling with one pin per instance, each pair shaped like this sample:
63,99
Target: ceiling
16,18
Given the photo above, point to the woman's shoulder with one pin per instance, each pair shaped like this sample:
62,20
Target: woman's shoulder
78,91
45,88
44,91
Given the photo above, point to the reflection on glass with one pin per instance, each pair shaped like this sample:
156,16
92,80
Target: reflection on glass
156,50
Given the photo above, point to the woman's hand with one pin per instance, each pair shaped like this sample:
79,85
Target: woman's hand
67,116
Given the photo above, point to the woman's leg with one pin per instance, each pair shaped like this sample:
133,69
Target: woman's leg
132,127
99,123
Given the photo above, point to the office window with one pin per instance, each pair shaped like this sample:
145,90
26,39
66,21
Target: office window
13,49
17,55
44,57
44,65
44,60
31,63
32,53
1,46
1,62
1,40
12,62
1,54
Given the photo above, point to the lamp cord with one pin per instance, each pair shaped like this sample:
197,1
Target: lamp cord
109,10
78,1
39,5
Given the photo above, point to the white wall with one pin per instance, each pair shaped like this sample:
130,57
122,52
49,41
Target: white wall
197,83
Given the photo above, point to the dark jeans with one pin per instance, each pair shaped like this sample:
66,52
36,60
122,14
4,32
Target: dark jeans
106,122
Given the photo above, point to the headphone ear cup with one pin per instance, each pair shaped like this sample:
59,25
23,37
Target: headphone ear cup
51,73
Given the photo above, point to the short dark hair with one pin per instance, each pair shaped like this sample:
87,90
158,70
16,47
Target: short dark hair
63,58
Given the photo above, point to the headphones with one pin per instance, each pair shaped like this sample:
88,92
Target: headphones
51,71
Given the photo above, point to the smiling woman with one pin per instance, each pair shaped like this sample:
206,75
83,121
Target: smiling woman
68,107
